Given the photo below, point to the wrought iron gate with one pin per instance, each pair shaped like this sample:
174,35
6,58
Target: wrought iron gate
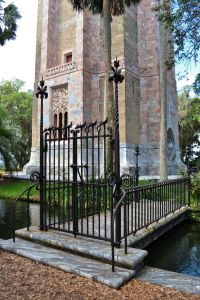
76,194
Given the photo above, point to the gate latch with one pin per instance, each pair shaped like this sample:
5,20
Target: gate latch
78,167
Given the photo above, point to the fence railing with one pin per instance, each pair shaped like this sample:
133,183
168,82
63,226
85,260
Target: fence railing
143,205
148,204
27,193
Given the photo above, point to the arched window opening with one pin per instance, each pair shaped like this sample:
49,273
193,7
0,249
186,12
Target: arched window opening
60,124
55,121
65,118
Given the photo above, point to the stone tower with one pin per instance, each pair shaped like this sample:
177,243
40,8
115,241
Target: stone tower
69,56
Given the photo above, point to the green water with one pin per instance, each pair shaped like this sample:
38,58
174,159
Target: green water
178,250
6,216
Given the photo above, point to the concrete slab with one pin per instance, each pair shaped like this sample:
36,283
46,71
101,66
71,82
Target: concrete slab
95,249
169,279
68,262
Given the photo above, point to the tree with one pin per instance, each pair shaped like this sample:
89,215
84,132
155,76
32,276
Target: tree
10,86
17,107
8,22
182,18
163,101
196,85
5,140
107,9
189,126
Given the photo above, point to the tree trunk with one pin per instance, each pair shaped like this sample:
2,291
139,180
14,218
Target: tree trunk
163,103
108,86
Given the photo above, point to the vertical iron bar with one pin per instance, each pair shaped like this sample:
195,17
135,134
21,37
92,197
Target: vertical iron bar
117,78
41,92
58,184
93,183
54,176
104,182
137,153
189,187
45,147
28,210
41,168
69,196
117,168
87,177
82,194
63,180
99,181
49,192
74,184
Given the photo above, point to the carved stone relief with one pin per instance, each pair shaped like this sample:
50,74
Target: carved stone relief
60,100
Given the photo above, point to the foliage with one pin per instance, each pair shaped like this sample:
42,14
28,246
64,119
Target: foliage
11,86
189,130
196,85
8,22
117,7
195,188
17,107
182,18
5,138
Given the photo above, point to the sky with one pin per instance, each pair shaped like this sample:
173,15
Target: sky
17,58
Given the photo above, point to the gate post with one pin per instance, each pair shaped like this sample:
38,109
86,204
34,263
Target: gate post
117,78
41,93
74,185
137,153
188,154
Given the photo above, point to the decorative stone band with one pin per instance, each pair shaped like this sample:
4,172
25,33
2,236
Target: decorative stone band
59,70
140,70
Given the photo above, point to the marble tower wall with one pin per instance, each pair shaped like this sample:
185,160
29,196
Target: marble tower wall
135,41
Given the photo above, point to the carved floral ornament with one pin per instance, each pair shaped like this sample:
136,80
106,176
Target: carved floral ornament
60,99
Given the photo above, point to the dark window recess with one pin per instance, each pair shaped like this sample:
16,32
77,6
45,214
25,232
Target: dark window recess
55,120
65,118
60,125
68,58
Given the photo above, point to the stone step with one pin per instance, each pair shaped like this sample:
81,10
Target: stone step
182,282
96,249
68,262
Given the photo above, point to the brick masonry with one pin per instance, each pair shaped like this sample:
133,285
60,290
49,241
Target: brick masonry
135,41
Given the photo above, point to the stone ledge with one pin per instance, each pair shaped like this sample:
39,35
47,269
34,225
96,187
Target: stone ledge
146,236
89,268
95,249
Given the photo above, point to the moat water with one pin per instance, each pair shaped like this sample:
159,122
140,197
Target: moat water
6,216
178,250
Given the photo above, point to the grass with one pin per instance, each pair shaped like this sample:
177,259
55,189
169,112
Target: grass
11,189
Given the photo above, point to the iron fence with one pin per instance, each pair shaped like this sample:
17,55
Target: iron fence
148,204
141,206
75,179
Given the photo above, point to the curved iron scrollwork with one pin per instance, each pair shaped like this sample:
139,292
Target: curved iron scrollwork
127,180
112,179
192,171
35,176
